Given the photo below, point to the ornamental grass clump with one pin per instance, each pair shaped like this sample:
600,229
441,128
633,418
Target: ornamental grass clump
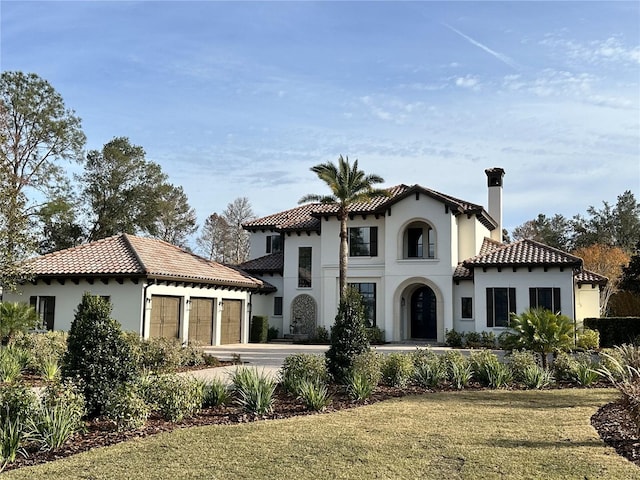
215,393
535,377
314,394
253,391
585,371
359,386
429,369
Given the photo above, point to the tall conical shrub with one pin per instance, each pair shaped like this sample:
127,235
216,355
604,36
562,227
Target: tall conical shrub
348,336
98,357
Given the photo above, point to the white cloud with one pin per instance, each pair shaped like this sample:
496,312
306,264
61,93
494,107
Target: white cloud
468,81
611,50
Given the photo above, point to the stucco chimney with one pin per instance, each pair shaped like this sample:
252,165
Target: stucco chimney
494,184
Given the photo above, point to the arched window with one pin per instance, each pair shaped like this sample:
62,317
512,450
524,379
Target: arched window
419,241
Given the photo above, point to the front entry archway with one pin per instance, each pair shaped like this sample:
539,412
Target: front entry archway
423,313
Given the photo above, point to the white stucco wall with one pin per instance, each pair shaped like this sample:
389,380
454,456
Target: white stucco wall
263,304
521,280
587,303
464,289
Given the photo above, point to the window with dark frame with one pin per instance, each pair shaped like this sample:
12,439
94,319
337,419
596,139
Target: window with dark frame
368,292
363,241
467,307
304,267
45,306
277,306
501,302
420,242
545,297
274,243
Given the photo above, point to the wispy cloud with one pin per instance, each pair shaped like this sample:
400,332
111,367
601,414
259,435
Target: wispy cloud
468,81
612,50
500,56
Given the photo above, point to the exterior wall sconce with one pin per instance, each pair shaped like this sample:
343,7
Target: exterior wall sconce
148,299
221,305
188,303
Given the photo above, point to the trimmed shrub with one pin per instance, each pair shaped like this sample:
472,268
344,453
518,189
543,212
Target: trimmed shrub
615,330
98,355
348,336
397,369
519,362
175,397
369,364
259,331
299,367
45,345
127,408
488,340
472,340
453,339
375,335
272,333
321,336
588,339
564,367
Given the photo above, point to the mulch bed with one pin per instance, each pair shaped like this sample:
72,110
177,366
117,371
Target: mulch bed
612,422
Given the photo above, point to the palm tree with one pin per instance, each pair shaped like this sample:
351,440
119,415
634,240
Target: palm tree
348,186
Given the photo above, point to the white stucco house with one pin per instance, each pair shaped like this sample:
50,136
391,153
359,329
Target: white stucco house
155,289
425,262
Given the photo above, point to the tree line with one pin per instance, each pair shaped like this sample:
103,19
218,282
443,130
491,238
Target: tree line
119,190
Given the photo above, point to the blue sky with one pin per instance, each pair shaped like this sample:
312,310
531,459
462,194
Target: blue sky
242,98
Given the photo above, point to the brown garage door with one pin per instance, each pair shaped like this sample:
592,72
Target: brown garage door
201,320
231,319
165,317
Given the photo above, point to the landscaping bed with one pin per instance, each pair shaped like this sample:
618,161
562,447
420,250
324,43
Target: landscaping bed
611,422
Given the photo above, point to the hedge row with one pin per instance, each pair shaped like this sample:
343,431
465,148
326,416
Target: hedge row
615,330
259,329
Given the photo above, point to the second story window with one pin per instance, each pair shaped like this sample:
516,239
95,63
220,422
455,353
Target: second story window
304,267
363,242
274,244
419,241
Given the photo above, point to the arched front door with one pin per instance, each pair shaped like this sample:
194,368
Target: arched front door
423,313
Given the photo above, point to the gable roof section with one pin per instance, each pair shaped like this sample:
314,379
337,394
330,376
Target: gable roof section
307,217
128,256
272,263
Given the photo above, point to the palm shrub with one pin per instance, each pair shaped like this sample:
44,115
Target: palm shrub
98,356
16,317
397,369
302,366
541,331
348,336
253,391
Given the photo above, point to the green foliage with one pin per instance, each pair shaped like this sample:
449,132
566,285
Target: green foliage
70,396
127,408
484,365
369,364
453,339
163,355
359,386
17,404
299,367
375,335
348,336
459,371
98,355
259,329
16,317
564,367
535,377
314,394
175,397
397,369
10,365
215,393
588,339
488,339
253,391
41,346
615,330
541,331
429,369
272,333
322,335
49,369
472,340
52,426
519,362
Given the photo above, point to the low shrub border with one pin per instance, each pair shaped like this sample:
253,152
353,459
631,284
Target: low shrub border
615,330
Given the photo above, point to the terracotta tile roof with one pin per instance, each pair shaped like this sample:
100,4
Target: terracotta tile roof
272,263
306,217
525,253
130,256
587,277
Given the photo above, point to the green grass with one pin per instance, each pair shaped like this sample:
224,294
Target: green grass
457,435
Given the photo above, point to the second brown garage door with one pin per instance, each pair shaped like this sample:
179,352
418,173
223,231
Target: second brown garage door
231,320
201,320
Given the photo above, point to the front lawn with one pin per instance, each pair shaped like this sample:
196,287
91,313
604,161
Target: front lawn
447,435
